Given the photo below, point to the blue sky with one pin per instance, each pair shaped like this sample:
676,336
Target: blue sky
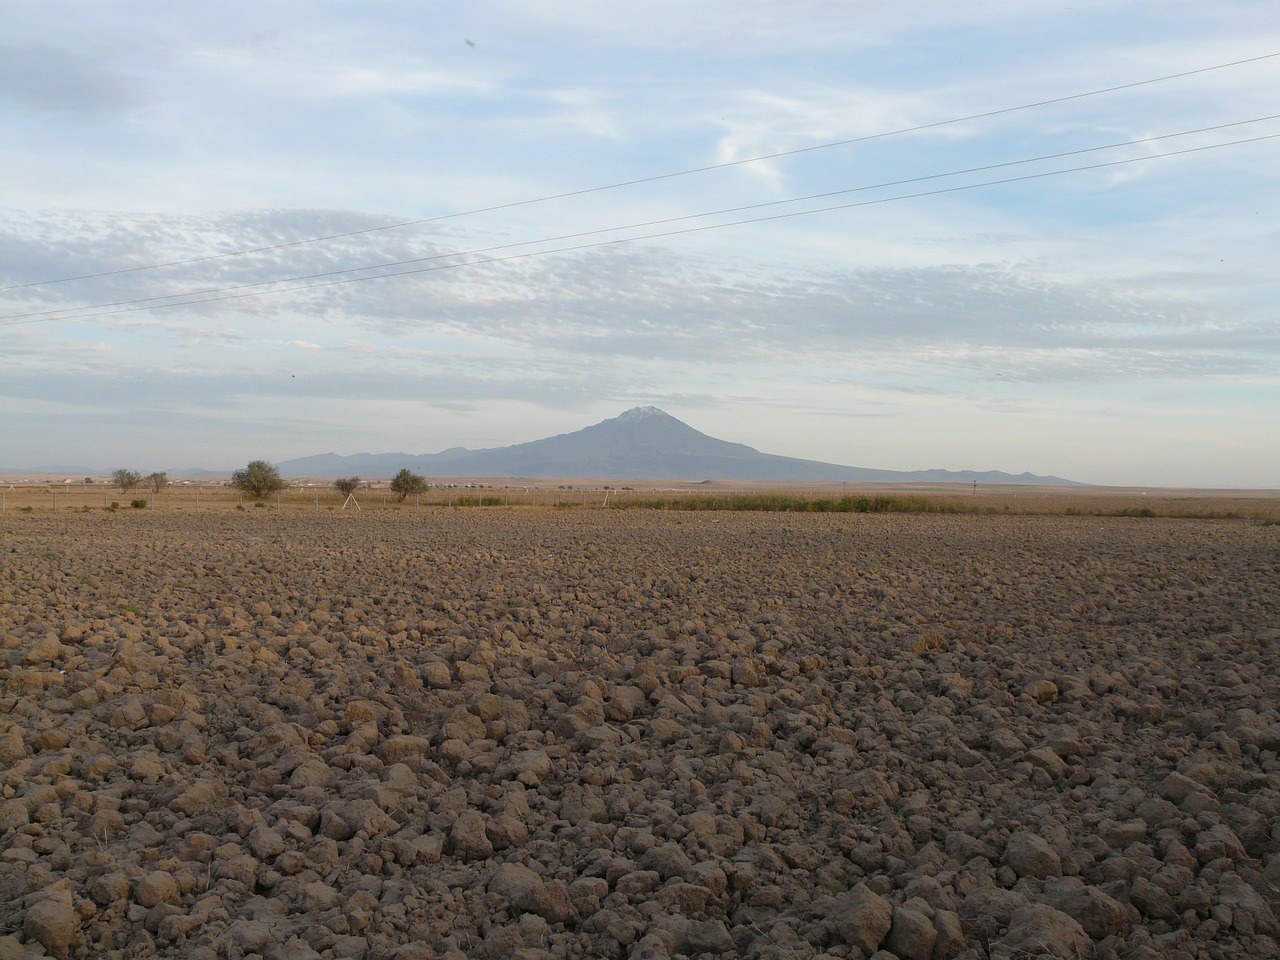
1119,325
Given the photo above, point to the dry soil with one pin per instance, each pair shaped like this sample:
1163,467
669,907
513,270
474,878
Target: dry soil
626,734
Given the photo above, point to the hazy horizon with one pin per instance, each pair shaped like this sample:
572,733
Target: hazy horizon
189,471
1114,325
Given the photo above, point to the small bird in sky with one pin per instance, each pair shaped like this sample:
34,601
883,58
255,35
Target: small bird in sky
469,43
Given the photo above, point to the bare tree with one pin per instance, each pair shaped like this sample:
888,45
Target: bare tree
126,480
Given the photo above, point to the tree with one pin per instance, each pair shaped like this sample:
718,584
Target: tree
406,482
346,485
126,480
158,480
258,479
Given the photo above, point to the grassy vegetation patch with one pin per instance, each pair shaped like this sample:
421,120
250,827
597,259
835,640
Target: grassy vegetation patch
782,503
894,503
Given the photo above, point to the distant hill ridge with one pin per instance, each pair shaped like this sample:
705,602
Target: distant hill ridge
641,443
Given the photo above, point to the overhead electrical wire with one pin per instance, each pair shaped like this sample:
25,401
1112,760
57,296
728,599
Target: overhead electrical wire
650,223
650,179
119,307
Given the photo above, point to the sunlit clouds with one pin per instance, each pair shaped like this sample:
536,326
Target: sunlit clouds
1115,325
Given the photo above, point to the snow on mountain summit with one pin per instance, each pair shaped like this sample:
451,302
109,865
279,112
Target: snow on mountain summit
642,413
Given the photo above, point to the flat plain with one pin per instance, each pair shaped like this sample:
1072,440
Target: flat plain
29,492
633,733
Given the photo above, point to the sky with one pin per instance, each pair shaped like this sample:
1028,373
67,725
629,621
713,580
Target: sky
603,206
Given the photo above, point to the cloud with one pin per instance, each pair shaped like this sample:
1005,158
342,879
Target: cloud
763,122
161,132
46,79
643,304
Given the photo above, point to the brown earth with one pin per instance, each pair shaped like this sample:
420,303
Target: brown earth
40,494
539,733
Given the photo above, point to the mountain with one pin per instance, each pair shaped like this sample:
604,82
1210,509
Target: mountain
69,470
642,443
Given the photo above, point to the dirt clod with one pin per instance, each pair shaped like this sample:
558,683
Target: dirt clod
570,734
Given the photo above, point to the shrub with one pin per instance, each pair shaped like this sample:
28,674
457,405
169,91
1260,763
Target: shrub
126,480
258,479
406,482
138,504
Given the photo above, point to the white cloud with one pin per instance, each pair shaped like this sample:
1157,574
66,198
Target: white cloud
165,132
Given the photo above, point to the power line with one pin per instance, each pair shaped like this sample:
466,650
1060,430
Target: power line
643,224
652,179
131,307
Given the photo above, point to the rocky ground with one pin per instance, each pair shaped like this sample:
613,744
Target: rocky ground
646,735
